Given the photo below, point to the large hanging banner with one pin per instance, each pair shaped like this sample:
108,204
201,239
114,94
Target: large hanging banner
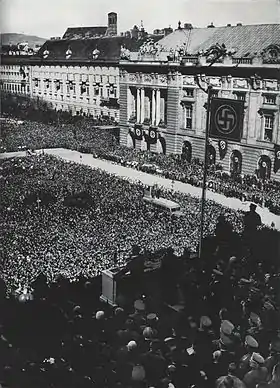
277,158
226,120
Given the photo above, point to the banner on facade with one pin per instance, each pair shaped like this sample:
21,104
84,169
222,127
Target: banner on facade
226,122
223,145
152,136
138,132
277,158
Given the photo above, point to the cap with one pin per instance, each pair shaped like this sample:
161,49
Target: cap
205,321
152,317
171,368
148,332
250,341
99,315
256,357
217,354
226,327
139,305
131,345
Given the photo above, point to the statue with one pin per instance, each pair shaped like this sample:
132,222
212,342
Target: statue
125,53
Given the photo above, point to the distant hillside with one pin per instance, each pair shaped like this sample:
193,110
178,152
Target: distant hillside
13,38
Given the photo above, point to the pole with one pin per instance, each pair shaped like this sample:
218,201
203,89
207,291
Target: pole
209,90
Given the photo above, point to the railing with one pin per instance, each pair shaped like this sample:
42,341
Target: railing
242,61
190,59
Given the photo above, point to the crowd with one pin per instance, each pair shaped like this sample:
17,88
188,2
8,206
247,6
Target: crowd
85,137
226,336
62,223
67,217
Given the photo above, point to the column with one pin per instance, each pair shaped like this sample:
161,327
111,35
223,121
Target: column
138,105
142,105
153,106
157,106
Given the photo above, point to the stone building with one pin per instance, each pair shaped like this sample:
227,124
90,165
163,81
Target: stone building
162,104
78,73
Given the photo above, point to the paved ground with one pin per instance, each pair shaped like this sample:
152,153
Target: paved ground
149,179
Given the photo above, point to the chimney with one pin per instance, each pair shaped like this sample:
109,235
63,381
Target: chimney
188,26
228,25
112,29
211,25
239,24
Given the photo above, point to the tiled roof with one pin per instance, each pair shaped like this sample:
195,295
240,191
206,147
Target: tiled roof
82,49
244,39
84,32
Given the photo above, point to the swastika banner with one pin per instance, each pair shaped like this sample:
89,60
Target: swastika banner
138,132
226,120
152,136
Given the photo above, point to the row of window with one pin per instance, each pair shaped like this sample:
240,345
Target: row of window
109,92
269,99
106,79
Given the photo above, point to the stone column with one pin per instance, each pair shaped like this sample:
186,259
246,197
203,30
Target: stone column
142,105
138,105
153,106
157,106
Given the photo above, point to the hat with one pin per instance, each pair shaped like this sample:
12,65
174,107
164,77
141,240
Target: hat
139,305
226,327
171,368
250,341
255,318
217,354
256,357
119,311
131,345
152,317
99,315
148,332
77,309
205,321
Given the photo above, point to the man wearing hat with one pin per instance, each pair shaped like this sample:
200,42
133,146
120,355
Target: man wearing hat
251,346
258,372
252,221
274,355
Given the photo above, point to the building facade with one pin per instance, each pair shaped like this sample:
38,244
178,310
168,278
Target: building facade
78,73
161,90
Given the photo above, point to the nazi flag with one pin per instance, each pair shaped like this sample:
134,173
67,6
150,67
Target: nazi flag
226,120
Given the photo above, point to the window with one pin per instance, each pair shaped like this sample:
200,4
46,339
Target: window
269,99
188,116
240,96
101,92
188,92
268,127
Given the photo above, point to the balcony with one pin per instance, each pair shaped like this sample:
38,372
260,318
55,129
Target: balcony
242,61
110,102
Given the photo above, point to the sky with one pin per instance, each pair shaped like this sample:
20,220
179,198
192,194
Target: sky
46,18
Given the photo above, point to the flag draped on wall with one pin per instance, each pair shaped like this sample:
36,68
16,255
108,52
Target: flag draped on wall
277,158
223,145
138,132
152,136
226,119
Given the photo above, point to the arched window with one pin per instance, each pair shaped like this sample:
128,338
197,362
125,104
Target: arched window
130,141
236,163
264,167
186,151
211,155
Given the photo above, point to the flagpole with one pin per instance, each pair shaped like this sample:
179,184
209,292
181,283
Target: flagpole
203,198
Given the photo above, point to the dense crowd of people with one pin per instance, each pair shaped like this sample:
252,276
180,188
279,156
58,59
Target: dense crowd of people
225,336
103,143
63,223
67,217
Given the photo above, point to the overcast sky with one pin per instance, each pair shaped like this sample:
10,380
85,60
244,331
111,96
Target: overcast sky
46,18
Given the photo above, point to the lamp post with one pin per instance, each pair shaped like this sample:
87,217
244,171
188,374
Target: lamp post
203,197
